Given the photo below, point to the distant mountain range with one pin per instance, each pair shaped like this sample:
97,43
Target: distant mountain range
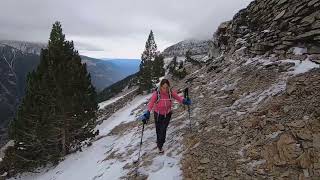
108,71
18,58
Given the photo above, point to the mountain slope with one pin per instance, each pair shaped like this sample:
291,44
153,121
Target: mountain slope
14,67
109,71
128,66
18,58
24,46
117,87
255,111
115,148
196,47
102,73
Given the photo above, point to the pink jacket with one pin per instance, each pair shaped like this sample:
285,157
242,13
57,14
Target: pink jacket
164,105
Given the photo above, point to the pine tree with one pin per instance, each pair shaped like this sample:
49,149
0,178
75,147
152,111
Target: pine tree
173,64
188,56
146,74
58,111
180,65
191,60
158,69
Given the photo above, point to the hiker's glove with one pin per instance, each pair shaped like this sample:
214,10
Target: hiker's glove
186,101
145,117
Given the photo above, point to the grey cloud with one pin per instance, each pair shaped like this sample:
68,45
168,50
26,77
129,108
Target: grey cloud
108,21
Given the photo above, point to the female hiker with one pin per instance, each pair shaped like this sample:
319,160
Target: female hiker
161,102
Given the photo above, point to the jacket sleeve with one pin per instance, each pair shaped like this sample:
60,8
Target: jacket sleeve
152,101
176,96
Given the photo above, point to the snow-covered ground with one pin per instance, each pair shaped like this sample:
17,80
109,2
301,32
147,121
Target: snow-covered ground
108,156
112,100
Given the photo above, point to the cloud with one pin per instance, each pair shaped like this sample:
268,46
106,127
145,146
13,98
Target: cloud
118,28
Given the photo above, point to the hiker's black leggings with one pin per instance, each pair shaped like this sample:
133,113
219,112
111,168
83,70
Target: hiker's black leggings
162,122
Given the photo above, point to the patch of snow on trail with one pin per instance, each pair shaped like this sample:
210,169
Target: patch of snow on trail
108,156
89,164
302,66
299,51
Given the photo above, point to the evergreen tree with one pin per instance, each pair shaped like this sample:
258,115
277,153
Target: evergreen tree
146,74
173,64
58,111
192,61
158,70
180,64
188,56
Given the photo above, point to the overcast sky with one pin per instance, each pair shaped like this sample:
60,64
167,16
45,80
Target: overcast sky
115,28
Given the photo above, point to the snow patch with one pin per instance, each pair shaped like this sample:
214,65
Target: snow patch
266,31
299,51
302,66
90,163
165,166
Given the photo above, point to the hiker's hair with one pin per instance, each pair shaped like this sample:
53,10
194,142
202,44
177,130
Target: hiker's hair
164,81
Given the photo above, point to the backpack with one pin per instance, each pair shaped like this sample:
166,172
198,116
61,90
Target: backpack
158,94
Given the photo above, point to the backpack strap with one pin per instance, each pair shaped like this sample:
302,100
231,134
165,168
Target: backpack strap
159,97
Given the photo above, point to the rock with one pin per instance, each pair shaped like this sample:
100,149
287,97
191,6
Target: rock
316,165
290,90
306,173
307,144
298,9
314,49
230,143
281,2
305,160
309,19
305,135
201,168
280,127
286,109
280,15
285,174
309,33
316,25
316,141
287,148
204,161
247,124
311,3
296,124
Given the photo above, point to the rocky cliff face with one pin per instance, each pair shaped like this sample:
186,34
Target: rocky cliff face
272,27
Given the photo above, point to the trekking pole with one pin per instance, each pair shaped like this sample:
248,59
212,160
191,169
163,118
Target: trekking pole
186,95
137,162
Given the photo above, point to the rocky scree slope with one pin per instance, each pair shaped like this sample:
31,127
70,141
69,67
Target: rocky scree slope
253,118
256,102
272,27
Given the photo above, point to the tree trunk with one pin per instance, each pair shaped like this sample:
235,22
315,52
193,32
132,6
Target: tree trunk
63,141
